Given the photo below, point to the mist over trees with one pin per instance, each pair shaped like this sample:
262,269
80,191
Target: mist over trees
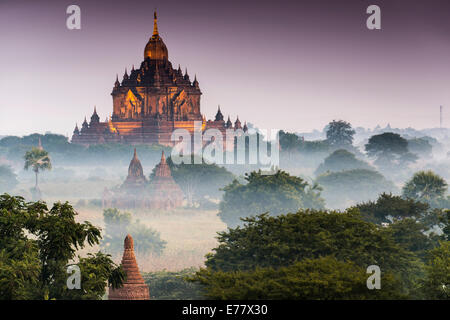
119,224
341,160
390,151
344,188
273,193
199,180
8,179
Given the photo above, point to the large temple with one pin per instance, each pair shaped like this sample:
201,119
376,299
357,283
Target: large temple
150,103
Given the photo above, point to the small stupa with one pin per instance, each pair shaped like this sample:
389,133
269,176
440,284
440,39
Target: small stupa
134,287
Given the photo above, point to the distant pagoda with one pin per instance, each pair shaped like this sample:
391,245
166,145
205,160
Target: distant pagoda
162,192
134,287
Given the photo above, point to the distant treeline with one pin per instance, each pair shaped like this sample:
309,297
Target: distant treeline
62,151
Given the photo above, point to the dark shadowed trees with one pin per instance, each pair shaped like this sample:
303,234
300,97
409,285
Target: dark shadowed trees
389,150
340,134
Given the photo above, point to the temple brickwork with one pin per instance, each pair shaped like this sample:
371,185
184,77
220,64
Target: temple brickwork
134,287
150,103
136,192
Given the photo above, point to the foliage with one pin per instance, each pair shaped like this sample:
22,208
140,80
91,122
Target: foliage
426,186
388,207
165,285
389,150
323,278
437,281
119,224
8,179
342,188
340,133
38,160
266,245
267,241
275,193
341,160
37,244
410,234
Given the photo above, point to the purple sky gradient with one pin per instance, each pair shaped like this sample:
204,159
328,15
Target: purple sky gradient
293,65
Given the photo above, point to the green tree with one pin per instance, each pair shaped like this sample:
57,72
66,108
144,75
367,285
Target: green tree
340,133
119,224
37,245
426,186
166,285
276,242
341,160
8,179
38,160
275,193
324,278
344,188
389,150
437,281
389,207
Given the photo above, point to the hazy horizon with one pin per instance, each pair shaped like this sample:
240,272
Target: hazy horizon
286,65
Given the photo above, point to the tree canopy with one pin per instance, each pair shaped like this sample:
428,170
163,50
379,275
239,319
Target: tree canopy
119,224
344,188
341,160
274,193
426,186
38,244
340,133
389,150
308,255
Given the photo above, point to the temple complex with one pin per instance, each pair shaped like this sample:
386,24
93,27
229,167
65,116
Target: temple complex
150,103
162,192
134,287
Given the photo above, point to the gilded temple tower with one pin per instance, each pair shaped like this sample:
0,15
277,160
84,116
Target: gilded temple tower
149,103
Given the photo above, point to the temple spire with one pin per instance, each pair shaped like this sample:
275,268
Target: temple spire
40,144
155,25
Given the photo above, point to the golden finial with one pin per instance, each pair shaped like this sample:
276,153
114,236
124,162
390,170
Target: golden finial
155,25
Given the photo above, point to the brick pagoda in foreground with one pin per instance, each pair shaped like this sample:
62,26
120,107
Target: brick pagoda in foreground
134,287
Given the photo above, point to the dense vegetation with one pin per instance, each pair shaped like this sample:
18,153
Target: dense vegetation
36,247
324,255
274,193
119,224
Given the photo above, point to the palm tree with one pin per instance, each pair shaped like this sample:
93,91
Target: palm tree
38,160
425,186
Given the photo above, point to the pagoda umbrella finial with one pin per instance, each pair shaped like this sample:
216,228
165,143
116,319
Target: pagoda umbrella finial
155,24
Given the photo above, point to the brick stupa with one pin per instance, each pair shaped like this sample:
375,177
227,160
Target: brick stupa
134,287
